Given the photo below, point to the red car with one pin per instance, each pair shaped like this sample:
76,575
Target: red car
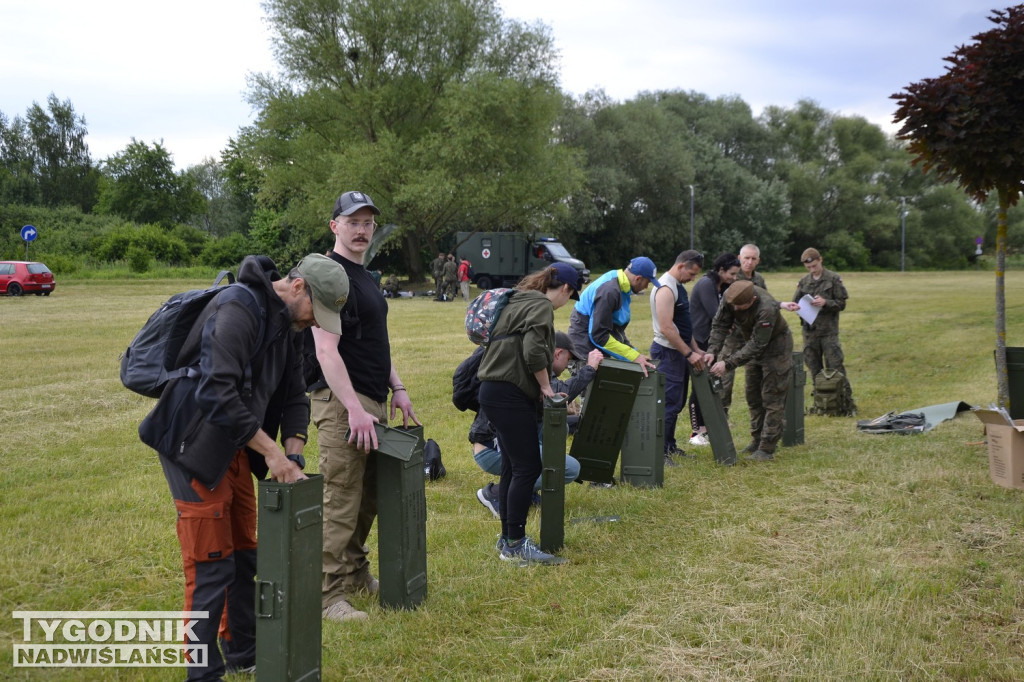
19,277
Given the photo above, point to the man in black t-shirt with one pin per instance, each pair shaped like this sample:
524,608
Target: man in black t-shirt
357,374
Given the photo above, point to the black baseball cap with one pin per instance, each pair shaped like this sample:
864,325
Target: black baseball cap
350,202
562,340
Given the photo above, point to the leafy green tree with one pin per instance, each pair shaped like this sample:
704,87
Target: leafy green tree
224,211
141,185
641,158
968,125
18,181
440,109
62,163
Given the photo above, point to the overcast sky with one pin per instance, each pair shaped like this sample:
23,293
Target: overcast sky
176,72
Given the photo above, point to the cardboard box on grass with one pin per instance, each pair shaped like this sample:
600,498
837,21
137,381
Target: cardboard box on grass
1005,448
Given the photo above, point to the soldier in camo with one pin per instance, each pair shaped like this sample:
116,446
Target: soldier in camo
821,340
750,257
767,352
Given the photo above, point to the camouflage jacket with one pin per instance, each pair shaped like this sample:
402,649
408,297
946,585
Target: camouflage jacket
830,287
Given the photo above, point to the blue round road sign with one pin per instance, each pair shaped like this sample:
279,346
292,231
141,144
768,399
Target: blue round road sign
28,233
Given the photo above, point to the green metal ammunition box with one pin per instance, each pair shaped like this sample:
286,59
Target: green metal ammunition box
643,446
793,430
401,517
552,498
709,395
607,406
290,530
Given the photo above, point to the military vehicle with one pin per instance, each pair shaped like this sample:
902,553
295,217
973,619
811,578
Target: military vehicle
501,259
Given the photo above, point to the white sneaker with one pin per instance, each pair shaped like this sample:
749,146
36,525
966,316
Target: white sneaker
342,611
700,439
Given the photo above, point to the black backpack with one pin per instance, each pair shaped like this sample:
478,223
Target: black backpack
433,469
151,359
465,384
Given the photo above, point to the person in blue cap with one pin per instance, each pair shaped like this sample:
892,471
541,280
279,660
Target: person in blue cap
599,319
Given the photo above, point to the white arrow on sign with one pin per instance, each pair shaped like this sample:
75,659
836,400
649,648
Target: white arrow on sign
28,233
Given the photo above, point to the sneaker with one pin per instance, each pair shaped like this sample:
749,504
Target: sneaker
368,584
761,456
501,544
675,453
488,497
752,447
526,552
700,439
669,462
240,669
342,611
596,484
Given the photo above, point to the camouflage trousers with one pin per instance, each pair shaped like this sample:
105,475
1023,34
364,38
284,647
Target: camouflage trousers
767,386
733,343
824,350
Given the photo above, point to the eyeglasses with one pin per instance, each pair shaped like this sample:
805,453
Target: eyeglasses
367,225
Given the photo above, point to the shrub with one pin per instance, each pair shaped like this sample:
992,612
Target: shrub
138,259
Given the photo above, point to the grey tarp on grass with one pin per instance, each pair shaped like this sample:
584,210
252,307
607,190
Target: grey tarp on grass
918,420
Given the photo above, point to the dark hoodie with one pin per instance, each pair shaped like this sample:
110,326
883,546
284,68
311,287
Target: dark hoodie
200,423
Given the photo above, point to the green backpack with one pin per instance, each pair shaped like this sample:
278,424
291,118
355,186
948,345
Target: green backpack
831,396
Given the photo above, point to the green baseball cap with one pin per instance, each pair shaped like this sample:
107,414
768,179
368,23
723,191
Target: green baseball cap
328,281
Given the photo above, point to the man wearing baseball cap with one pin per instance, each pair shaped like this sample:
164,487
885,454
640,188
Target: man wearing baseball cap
349,398
599,319
821,339
217,429
767,353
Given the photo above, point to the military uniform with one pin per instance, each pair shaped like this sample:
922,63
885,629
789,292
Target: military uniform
735,341
437,272
451,278
391,286
767,351
821,340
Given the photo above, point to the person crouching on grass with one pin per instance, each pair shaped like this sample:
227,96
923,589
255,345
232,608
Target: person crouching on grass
514,378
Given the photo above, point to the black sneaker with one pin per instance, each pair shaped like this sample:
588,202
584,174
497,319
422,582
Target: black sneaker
240,668
761,456
488,497
752,447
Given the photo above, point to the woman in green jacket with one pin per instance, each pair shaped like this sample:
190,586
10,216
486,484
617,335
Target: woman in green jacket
514,378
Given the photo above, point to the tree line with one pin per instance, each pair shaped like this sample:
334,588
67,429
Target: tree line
450,115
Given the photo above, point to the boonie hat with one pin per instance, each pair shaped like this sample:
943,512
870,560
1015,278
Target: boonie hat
329,283
567,274
350,202
809,255
562,340
740,292
644,266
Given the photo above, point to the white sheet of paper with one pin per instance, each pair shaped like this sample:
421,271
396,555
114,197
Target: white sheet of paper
807,311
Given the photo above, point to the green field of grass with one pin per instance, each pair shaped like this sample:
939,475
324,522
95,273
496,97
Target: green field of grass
850,557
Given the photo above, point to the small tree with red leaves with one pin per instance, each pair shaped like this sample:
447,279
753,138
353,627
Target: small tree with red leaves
968,126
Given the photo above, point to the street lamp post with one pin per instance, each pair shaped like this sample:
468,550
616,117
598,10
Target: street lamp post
903,234
691,215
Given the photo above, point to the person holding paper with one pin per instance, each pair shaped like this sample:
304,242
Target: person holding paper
824,291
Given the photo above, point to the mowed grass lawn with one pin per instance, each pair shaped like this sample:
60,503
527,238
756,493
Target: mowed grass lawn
850,557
